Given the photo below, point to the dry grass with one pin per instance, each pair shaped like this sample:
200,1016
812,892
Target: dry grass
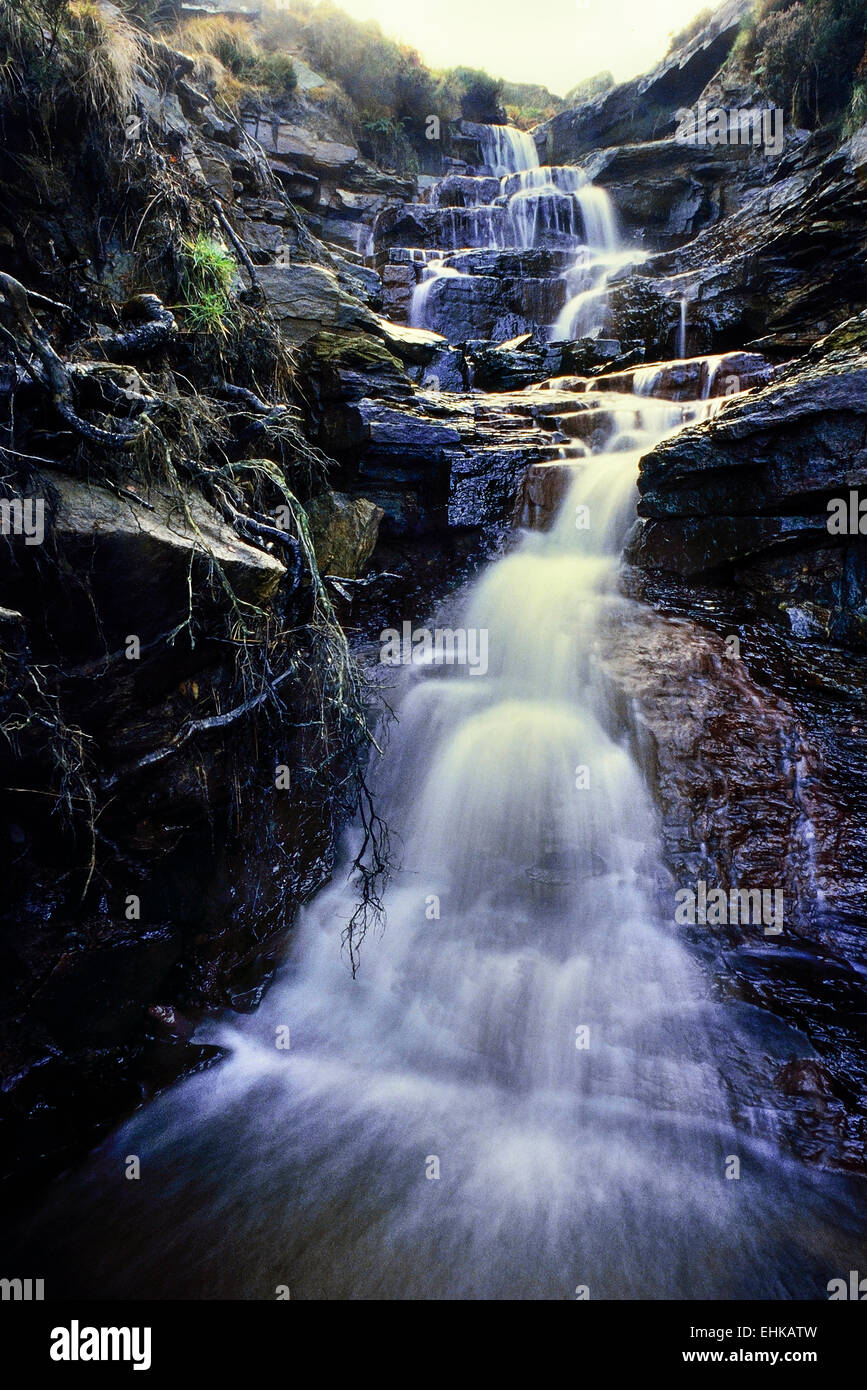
86,47
211,77
227,40
114,54
230,44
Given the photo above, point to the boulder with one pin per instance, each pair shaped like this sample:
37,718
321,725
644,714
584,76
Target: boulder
344,532
300,147
307,298
417,345
139,554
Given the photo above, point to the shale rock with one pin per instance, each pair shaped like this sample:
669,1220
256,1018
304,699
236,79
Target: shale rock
747,493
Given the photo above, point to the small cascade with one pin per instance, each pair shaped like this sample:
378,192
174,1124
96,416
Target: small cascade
583,314
563,178
435,271
681,331
507,150
645,378
712,366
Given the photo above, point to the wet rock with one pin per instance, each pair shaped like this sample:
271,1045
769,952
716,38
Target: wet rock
483,484
690,379
785,266
492,306
446,371
665,192
804,1077
417,345
344,532
528,360
419,224
461,191
747,493
543,489
307,298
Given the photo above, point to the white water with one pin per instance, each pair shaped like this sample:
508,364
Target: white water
538,205
434,271
433,1131
507,149
681,329
454,1051
585,311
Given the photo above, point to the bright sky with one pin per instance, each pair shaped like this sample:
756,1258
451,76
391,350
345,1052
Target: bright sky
555,42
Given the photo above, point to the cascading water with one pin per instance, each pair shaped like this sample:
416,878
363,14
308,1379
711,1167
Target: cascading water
583,314
434,271
681,329
518,1096
506,149
554,207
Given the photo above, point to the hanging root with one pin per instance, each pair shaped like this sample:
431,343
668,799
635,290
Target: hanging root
239,248
50,372
372,866
158,328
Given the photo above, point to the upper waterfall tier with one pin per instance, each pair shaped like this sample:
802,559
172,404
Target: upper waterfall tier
507,149
528,208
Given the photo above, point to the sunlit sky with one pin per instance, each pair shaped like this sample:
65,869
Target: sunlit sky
556,42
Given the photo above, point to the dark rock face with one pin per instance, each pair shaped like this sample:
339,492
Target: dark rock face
757,760
430,459
156,862
526,361
451,227
169,920
482,293
748,493
783,268
665,193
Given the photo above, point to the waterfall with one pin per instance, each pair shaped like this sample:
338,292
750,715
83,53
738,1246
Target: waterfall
434,271
681,331
583,314
519,1094
507,149
567,178
538,206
